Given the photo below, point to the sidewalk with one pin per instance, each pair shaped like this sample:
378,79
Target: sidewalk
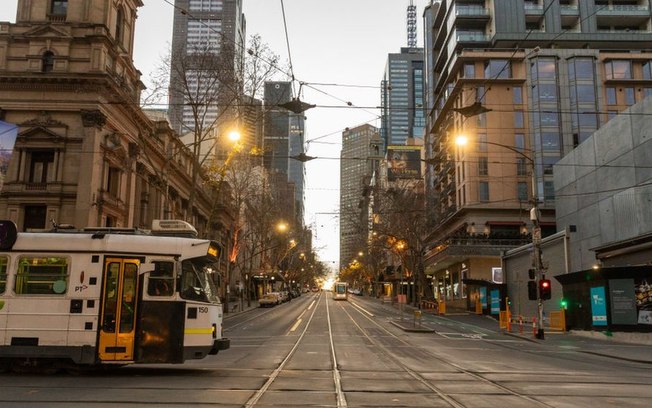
636,347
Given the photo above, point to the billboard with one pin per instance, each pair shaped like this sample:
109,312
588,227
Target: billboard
8,132
403,162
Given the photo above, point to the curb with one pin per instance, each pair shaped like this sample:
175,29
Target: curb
412,329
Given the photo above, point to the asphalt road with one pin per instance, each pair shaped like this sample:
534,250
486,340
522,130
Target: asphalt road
314,351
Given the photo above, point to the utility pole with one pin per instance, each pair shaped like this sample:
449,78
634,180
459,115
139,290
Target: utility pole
536,250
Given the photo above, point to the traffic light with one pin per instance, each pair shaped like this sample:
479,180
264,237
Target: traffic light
544,289
563,304
532,273
532,290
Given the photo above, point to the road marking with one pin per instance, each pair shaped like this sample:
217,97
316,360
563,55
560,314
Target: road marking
473,336
310,307
295,326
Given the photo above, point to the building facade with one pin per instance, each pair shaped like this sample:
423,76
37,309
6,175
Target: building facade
526,82
283,138
358,164
402,97
85,153
208,41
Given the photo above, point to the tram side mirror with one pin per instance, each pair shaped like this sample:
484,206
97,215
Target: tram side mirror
8,234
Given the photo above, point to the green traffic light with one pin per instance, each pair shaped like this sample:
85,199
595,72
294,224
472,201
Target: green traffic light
563,303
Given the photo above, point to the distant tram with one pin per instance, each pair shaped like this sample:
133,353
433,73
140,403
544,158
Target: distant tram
107,296
340,291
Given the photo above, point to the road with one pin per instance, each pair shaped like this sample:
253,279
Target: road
314,351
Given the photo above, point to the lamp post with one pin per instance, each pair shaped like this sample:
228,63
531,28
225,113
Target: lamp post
536,228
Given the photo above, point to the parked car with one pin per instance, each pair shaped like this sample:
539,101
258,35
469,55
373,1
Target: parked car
269,300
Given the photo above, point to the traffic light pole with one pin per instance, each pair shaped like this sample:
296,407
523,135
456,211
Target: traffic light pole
536,246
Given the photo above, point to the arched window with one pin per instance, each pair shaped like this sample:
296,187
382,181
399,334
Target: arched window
47,61
119,25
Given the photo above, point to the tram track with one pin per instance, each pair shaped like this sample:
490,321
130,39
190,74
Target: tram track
420,378
341,399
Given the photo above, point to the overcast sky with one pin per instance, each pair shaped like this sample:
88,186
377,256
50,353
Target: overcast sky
343,42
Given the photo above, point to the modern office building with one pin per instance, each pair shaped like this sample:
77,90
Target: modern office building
526,82
283,138
402,97
208,40
359,146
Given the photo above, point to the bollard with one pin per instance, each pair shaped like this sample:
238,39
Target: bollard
520,324
534,326
417,317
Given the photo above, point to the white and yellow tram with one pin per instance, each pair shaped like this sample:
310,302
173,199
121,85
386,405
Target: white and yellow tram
107,297
340,291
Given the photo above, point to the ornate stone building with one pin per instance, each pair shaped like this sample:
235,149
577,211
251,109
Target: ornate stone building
86,154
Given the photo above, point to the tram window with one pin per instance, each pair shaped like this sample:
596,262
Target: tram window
191,284
41,276
3,273
161,279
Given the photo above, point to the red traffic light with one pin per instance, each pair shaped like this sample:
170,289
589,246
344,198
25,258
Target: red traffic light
544,289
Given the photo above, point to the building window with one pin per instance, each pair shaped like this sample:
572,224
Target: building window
59,7
41,164
519,141
544,68
34,217
484,191
483,166
618,69
611,96
550,141
519,120
521,166
113,181
47,61
469,70
517,93
41,276
585,93
647,70
521,191
581,68
497,68
482,142
119,25
548,190
547,92
630,97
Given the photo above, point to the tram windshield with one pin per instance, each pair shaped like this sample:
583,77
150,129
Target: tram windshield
196,282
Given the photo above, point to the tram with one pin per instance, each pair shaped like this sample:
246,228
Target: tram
108,296
340,291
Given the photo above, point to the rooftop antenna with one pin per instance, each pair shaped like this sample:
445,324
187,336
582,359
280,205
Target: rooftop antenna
412,25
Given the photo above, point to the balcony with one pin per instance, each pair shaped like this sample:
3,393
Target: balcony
471,246
622,15
533,9
471,12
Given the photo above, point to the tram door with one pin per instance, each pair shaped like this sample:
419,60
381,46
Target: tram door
119,300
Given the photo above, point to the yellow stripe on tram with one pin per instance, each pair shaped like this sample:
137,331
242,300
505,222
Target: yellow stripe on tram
200,330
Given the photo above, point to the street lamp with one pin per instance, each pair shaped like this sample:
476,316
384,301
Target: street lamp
536,230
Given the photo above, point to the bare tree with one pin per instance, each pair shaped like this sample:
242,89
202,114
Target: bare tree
403,227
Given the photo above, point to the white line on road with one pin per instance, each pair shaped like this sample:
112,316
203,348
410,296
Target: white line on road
295,326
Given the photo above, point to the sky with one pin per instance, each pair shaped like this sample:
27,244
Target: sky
342,43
